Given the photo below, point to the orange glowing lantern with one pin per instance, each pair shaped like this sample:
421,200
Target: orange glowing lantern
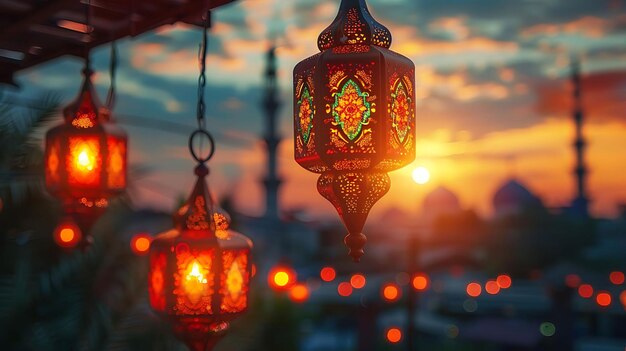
85,157
354,115
199,271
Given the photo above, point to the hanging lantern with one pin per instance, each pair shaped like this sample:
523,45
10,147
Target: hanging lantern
85,157
200,270
354,115
199,277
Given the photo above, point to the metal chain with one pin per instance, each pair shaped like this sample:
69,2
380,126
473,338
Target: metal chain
202,79
201,132
112,74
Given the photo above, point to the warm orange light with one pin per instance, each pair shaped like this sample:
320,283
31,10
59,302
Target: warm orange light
84,161
420,282
585,291
474,289
394,335
344,289
234,280
281,278
391,292
253,270
358,281
504,281
492,287
572,281
603,299
617,277
328,274
140,244
299,293
622,298
67,234
195,280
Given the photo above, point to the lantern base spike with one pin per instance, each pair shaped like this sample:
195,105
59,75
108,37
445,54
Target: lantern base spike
355,244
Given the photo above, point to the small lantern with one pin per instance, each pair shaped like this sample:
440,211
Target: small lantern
354,115
85,158
200,271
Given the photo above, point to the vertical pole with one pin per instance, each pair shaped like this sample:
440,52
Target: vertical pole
411,302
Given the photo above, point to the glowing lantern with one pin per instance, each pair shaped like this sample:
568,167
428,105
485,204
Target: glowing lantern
354,115
394,335
199,272
328,274
420,282
85,158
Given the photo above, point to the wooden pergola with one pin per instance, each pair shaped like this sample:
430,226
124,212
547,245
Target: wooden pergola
36,31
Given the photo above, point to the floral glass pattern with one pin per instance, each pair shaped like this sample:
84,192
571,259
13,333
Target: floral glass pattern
400,112
351,109
305,115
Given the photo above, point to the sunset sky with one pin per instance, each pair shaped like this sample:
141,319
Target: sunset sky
493,98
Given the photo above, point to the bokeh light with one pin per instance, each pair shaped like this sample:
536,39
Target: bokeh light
394,335
328,274
474,289
547,329
572,280
504,281
281,278
603,299
299,293
420,282
585,291
492,287
391,292
344,289
67,234
358,281
617,277
140,244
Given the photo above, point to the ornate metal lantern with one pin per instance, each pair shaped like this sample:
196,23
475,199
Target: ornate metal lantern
85,158
199,276
354,115
200,271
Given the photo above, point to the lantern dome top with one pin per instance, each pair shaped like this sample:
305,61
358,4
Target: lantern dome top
354,25
85,111
196,215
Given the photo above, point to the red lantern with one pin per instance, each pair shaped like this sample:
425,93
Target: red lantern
85,158
354,114
200,271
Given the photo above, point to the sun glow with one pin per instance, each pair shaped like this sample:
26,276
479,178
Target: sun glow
421,175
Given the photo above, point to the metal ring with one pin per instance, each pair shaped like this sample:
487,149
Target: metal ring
205,133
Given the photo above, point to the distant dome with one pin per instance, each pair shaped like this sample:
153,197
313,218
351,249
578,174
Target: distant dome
514,198
441,201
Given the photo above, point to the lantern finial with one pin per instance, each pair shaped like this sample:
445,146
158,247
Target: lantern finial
354,25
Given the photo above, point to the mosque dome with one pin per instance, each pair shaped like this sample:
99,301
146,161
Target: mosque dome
513,198
441,201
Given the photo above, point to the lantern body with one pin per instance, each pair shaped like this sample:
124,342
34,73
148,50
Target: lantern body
85,158
354,115
199,272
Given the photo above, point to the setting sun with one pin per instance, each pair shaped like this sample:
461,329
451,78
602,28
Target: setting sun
421,175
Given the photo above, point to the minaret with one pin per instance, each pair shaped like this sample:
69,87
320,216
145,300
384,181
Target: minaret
271,104
581,202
